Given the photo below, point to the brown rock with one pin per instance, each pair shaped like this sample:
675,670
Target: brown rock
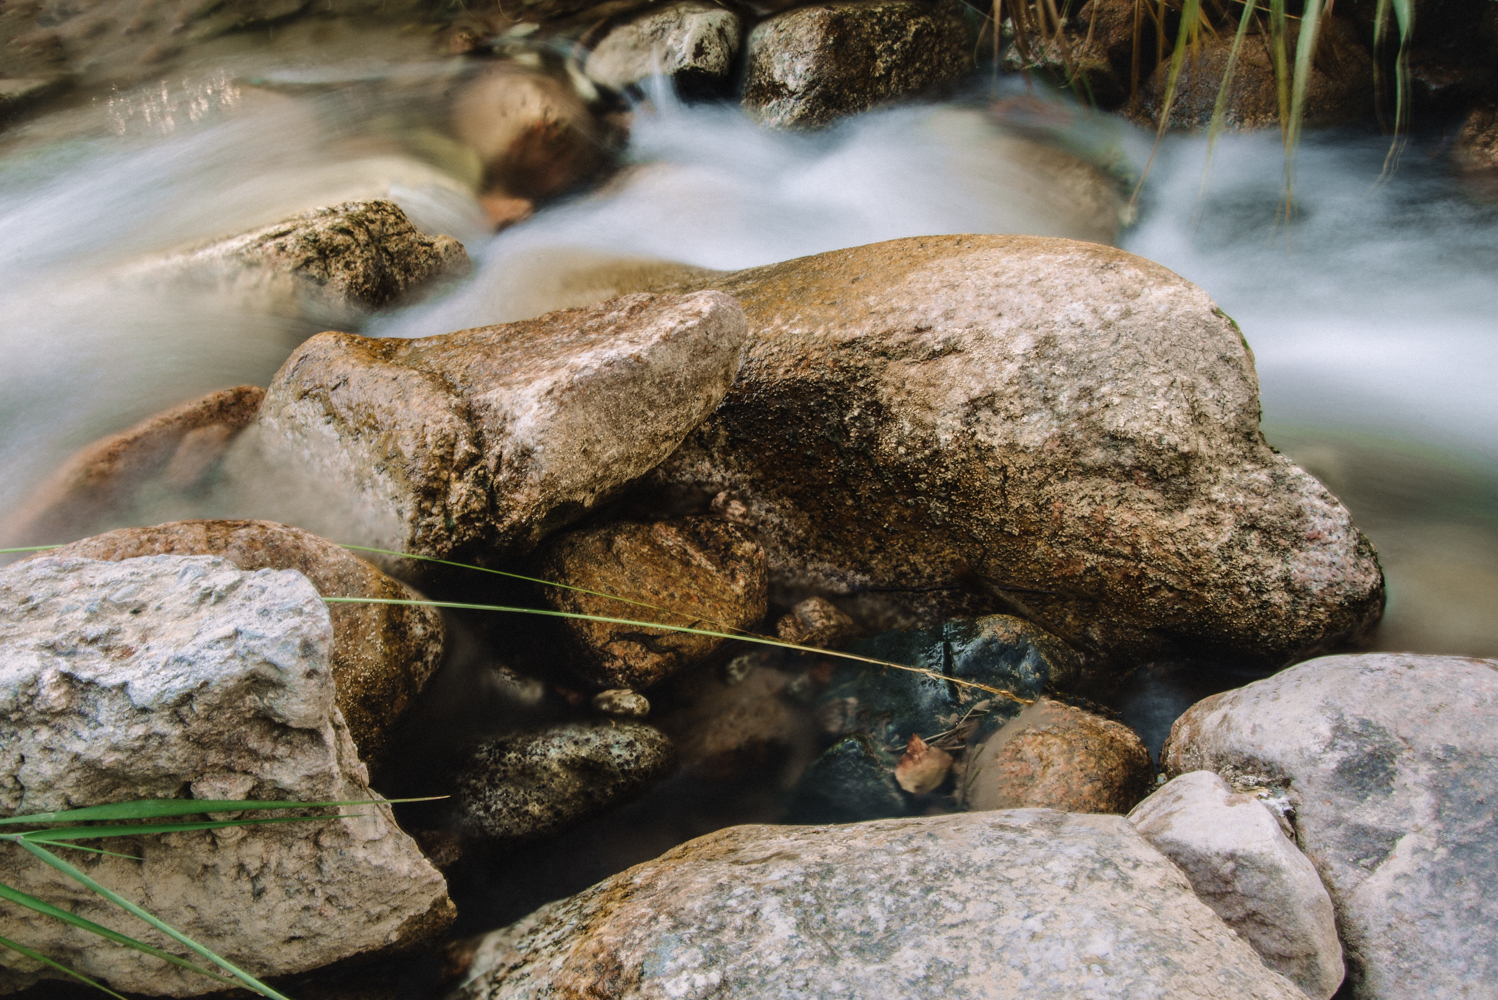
104,483
810,65
1476,150
692,42
1054,756
1060,428
710,573
382,654
742,729
815,621
479,444
1340,88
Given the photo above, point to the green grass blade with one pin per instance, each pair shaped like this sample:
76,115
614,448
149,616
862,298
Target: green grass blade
80,847
147,829
83,879
159,808
1305,55
38,957
1220,107
757,639
47,909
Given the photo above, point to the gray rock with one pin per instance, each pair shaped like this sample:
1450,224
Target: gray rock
165,675
1004,905
692,40
853,780
480,443
810,65
1388,761
1066,428
382,654
1244,866
537,782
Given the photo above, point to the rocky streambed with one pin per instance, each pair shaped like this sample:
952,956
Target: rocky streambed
762,631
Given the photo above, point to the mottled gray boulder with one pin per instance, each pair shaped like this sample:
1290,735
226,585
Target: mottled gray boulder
537,782
810,65
692,42
1389,762
480,443
1003,905
1063,428
1243,864
167,676
382,654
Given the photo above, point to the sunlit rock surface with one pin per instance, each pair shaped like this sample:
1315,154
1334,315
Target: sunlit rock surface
692,43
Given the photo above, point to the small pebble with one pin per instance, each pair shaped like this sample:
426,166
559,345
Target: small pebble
622,702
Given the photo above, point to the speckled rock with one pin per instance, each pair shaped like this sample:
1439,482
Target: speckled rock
480,443
1243,864
815,621
183,675
536,782
1055,756
708,571
809,65
382,654
1388,762
105,483
999,906
1067,427
1475,152
692,42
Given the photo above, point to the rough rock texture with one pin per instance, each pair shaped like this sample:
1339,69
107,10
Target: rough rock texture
1065,427
1055,756
815,621
1389,762
1477,142
173,675
358,255
102,484
1244,866
1006,906
481,443
708,571
810,65
537,782
689,42
1340,88
382,654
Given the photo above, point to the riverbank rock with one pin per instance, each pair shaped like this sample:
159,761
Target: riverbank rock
1060,428
1056,756
815,621
382,654
853,781
108,482
1475,153
694,44
1388,761
1007,906
1244,866
1340,88
810,65
535,783
166,676
708,572
478,444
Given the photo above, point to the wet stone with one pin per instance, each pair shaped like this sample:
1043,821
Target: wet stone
622,702
853,781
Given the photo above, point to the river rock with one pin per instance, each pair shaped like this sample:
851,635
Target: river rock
108,482
815,621
1066,429
737,728
694,43
1056,756
1476,150
853,781
810,65
1244,866
1388,762
382,654
1003,906
708,573
537,782
480,443
165,676
1340,88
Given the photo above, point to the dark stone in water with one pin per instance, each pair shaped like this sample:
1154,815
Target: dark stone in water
853,781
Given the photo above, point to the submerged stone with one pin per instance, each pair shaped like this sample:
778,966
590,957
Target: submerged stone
853,780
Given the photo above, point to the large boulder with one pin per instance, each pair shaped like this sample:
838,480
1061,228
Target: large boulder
382,654
172,676
1068,430
810,65
479,444
1388,762
1240,859
694,43
1003,905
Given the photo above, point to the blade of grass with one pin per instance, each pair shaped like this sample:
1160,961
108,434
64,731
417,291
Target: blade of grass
158,808
38,957
1186,34
83,879
147,829
758,639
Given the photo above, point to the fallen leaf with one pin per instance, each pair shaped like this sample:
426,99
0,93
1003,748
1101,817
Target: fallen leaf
923,768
